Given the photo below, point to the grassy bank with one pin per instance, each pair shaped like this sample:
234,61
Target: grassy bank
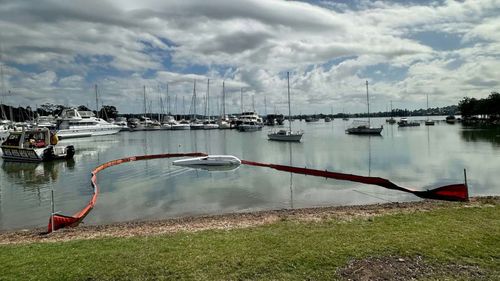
454,238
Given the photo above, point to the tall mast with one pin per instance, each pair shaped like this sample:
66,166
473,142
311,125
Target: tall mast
368,103
289,108
194,99
223,101
168,101
208,98
241,101
265,105
253,103
96,102
145,109
391,109
427,112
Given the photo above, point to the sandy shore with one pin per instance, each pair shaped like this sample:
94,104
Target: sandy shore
237,220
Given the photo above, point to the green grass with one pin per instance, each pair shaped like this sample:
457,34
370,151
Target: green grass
287,250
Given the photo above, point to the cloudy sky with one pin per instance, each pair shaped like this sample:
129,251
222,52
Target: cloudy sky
56,51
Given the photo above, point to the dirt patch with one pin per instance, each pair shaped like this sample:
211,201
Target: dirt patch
407,268
237,220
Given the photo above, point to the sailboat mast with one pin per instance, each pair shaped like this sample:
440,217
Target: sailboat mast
289,108
145,108
96,102
241,99
194,100
208,98
368,103
223,101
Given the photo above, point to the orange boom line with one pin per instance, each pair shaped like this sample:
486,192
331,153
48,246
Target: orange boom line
61,221
453,192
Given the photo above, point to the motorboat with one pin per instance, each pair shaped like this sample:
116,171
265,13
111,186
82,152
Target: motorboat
74,124
209,161
328,119
429,122
35,145
249,126
210,125
196,125
403,122
312,119
181,125
122,123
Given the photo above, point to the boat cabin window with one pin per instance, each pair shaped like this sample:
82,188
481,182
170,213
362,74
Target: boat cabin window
12,140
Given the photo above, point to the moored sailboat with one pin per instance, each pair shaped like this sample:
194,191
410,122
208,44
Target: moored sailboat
364,128
284,135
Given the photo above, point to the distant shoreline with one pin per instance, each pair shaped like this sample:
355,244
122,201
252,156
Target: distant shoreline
233,221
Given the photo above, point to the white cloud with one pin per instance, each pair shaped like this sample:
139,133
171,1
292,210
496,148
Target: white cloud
57,50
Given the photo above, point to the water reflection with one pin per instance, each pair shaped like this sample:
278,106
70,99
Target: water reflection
481,135
420,158
32,175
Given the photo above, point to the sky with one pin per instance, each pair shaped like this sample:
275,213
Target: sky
57,51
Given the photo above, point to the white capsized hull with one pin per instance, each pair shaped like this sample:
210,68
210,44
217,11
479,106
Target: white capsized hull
210,161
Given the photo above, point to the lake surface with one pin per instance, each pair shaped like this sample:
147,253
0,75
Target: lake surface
417,157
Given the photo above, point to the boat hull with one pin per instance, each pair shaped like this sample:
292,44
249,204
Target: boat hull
287,137
37,154
364,131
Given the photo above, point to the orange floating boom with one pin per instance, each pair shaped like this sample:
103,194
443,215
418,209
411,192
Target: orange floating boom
453,192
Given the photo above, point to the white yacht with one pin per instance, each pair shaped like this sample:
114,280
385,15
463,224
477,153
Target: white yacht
75,124
249,126
122,123
181,125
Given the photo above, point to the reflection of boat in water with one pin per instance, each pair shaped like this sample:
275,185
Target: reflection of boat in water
33,174
210,161
34,146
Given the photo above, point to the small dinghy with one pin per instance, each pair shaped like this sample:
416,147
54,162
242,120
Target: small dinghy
210,161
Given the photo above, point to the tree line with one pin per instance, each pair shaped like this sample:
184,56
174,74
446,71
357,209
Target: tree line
486,108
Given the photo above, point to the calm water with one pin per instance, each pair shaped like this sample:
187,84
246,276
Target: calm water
419,157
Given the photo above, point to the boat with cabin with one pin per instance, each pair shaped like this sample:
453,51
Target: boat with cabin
35,145
75,124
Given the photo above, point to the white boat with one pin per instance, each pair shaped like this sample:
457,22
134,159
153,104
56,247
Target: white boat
196,125
209,161
34,145
122,123
182,125
74,124
286,135
210,125
364,128
249,126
